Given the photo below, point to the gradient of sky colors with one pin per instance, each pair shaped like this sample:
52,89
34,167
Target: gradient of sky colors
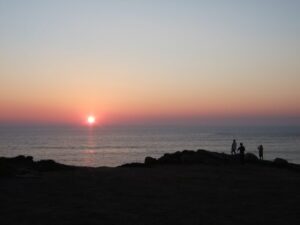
158,61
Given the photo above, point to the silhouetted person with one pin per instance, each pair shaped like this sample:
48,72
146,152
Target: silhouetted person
233,147
242,150
261,152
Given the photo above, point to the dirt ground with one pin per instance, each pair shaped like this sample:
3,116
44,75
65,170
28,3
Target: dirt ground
182,194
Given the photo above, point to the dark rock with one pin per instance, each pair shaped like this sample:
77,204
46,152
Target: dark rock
24,165
133,165
280,162
207,157
50,165
150,161
6,170
170,158
250,157
189,157
16,165
211,157
192,157
21,160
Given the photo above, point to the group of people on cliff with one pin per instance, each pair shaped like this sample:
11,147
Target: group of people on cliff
241,150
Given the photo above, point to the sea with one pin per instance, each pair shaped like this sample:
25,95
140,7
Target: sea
114,146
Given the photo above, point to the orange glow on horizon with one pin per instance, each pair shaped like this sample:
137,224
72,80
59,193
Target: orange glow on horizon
137,112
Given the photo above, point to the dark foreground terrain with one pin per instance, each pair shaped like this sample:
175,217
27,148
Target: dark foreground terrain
216,189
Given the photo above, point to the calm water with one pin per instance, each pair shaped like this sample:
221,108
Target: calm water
104,146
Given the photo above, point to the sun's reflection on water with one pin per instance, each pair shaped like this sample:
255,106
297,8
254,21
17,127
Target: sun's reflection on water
90,151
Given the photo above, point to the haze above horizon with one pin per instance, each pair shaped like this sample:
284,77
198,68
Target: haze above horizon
131,62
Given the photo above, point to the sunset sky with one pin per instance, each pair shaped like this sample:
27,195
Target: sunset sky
149,61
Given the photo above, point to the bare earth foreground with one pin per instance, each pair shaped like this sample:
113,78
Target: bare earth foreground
202,193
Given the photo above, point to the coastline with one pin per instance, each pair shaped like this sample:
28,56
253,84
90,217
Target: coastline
24,165
217,190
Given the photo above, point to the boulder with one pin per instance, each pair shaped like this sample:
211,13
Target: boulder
250,157
150,161
210,157
21,160
170,158
189,157
50,165
134,165
192,157
280,162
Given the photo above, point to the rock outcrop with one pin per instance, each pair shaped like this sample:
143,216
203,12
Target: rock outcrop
189,157
150,161
26,166
250,157
280,162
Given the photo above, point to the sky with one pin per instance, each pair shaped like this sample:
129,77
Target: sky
132,61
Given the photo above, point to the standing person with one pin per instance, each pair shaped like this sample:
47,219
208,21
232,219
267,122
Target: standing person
233,147
242,150
261,152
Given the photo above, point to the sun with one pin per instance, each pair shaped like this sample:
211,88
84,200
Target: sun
91,120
